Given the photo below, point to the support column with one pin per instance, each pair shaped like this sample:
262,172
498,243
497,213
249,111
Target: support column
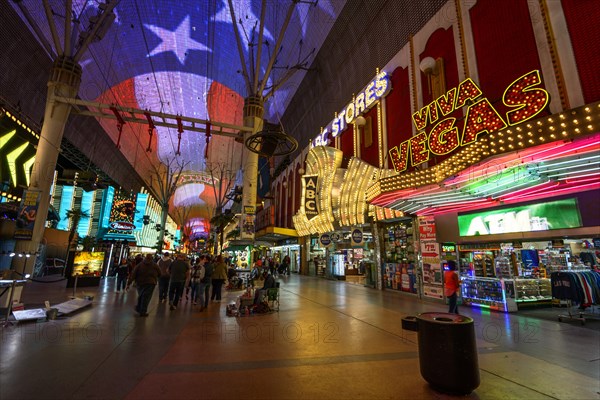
64,81
253,118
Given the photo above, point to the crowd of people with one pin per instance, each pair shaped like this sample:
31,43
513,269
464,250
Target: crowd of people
180,279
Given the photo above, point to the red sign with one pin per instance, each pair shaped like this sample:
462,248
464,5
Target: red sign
427,228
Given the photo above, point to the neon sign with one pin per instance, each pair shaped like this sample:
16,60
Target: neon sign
522,96
310,196
379,87
560,214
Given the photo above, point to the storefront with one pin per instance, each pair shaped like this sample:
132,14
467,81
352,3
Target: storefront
401,256
288,248
506,255
335,216
506,168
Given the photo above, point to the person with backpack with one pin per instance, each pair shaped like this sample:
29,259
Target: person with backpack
163,281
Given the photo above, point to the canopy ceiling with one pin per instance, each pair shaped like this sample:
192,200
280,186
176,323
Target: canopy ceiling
180,57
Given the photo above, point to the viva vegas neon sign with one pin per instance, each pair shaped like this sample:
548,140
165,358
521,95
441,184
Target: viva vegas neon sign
379,87
525,99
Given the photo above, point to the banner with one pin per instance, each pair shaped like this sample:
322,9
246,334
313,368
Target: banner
27,214
310,196
325,240
357,237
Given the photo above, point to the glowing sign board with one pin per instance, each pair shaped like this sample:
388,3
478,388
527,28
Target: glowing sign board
523,96
379,87
558,214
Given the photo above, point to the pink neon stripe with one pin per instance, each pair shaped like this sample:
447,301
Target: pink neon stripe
577,188
463,206
568,148
531,190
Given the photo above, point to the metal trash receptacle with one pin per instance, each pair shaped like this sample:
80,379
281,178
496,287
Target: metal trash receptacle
448,352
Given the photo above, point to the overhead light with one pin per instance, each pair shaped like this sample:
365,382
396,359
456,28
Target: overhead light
360,121
427,65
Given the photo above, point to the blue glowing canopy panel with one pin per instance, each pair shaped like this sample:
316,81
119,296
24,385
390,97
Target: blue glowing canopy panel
181,57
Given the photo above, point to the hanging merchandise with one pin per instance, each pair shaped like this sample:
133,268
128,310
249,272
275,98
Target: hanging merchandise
399,270
577,288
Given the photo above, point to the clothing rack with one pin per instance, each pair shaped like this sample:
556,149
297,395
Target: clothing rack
577,287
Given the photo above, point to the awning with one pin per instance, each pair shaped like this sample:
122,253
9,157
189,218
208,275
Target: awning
275,234
241,244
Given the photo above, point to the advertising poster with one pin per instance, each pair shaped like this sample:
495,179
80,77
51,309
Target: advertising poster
88,264
426,228
409,279
432,270
122,213
27,214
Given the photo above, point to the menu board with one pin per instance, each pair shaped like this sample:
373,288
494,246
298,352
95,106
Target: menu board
88,264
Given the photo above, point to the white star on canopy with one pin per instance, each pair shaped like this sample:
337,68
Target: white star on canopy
178,41
243,9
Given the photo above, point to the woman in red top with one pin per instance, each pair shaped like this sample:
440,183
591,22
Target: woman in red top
451,285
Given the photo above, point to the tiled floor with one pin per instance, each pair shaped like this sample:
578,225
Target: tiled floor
330,340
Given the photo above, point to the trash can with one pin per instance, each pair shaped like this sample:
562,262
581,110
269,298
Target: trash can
448,352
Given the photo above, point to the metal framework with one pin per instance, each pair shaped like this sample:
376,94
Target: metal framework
136,115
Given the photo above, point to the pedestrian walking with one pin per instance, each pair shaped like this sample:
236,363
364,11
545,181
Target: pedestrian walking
219,276
145,275
195,277
205,283
163,281
122,274
179,272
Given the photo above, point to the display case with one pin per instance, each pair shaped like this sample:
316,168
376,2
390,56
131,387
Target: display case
506,294
555,259
487,293
503,267
532,291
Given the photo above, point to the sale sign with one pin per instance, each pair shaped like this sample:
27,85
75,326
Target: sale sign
426,228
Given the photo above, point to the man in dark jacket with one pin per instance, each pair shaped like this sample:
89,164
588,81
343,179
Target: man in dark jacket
145,276
180,272
163,281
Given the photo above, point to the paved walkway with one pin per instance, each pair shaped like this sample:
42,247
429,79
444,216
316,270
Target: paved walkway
330,340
